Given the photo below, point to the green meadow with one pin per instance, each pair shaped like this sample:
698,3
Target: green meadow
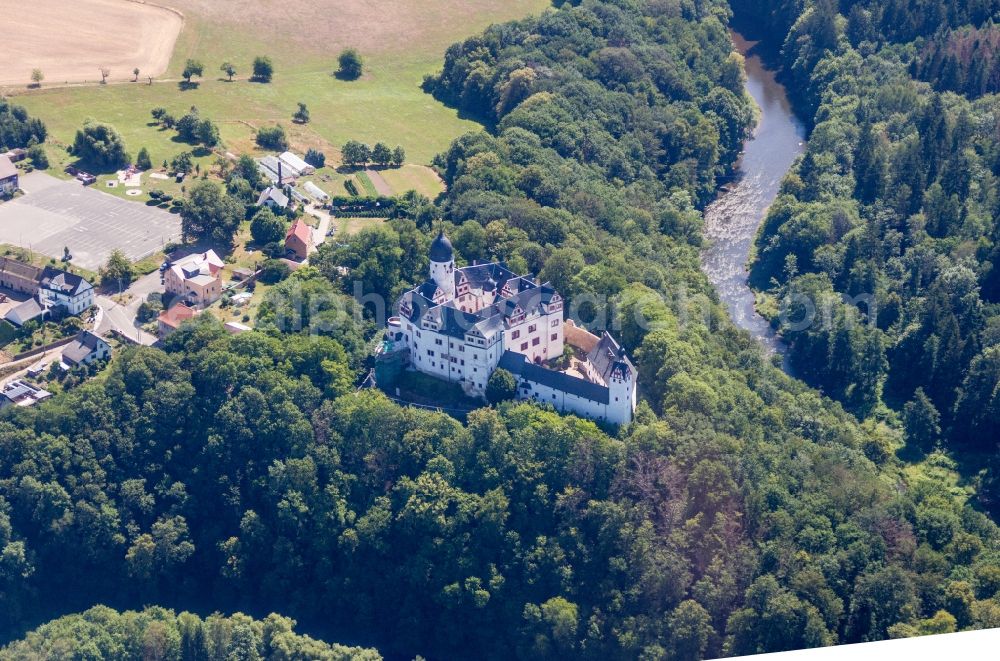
386,104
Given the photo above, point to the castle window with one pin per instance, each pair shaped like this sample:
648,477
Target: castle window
535,341
516,334
555,336
532,328
555,322
437,341
430,353
524,346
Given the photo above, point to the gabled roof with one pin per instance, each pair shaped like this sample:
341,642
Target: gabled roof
609,357
296,163
300,231
7,169
175,315
63,282
197,264
273,194
82,346
24,312
519,366
11,266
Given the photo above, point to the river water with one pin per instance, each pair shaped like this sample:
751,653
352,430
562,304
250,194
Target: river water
731,221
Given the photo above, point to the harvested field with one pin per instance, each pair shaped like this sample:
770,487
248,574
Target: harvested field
70,41
401,41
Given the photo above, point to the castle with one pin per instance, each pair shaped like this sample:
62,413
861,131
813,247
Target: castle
463,323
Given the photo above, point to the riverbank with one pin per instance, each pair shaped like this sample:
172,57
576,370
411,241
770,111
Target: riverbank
732,220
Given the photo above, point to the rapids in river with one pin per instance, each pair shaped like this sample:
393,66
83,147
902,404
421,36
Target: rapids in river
731,221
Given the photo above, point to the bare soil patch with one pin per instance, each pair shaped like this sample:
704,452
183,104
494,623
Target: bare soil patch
381,185
71,41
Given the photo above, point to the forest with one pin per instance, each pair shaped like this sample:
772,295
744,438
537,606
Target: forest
892,220
742,511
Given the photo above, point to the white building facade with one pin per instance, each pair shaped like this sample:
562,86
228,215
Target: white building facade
462,323
66,290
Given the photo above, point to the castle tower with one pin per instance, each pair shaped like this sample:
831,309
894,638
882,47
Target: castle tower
443,265
621,390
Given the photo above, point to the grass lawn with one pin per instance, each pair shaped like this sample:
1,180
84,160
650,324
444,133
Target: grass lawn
414,177
403,41
351,226
365,185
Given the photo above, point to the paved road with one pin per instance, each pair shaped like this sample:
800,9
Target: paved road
115,316
50,355
319,234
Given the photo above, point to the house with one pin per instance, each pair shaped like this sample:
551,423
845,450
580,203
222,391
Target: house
21,393
296,164
195,279
170,319
298,240
85,348
65,290
273,197
33,308
463,323
8,176
18,276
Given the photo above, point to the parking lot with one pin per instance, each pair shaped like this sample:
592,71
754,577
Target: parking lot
54,214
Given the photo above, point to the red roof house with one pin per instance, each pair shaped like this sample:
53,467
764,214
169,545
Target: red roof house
298,240
169,320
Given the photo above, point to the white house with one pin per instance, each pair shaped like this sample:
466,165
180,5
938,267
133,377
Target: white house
273,197
462,323
85,348
66,290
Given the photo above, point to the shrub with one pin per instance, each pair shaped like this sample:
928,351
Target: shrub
315,158
272,137
502,386
274,271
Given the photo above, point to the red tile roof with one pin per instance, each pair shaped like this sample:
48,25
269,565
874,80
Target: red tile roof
176,314
301,231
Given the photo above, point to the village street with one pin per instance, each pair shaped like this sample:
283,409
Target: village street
116,316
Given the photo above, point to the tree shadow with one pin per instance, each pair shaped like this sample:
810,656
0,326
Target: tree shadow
339,74
186,85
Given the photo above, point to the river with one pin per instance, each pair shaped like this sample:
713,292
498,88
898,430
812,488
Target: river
731,221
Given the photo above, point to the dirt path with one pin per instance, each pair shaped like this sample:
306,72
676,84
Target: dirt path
71,41
381,185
